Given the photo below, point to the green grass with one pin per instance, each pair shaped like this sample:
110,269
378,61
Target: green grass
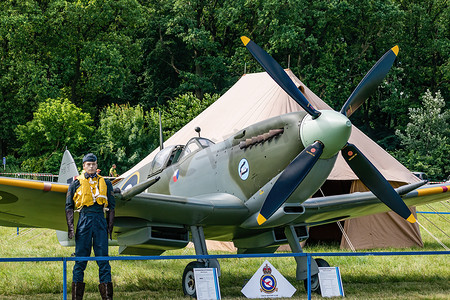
368,277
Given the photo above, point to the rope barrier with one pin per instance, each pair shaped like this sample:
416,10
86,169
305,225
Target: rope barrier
64,260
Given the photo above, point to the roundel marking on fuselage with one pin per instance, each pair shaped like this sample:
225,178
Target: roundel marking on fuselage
243,169
7,198
131,181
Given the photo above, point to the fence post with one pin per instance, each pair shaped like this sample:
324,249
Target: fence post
308,273
65,278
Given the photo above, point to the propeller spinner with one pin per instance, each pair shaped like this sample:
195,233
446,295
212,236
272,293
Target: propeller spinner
325,133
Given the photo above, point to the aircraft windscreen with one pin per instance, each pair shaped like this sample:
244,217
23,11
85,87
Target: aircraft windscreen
160,159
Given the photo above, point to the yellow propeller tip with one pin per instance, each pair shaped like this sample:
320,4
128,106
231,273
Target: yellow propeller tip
395,50
245,40
411,219
261,219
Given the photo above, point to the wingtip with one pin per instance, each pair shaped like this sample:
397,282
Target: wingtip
395,50
411,219
245,40
261,219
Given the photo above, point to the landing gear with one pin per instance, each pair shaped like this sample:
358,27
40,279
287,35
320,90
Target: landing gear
315,285
188,280
302,261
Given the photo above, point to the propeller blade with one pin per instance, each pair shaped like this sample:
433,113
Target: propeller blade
289,180
376,183
279,75
370,82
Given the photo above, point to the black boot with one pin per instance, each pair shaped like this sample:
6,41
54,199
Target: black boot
106,290
77,290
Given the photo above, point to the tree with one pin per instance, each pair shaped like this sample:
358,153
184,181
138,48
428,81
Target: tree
181,111
182,51
425,42
126,134
57,124
123,137
95,49
426,139
24,80
85,51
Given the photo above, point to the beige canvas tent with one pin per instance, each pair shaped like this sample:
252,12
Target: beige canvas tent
256,97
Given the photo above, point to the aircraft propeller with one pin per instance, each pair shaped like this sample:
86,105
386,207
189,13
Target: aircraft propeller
376,183
323,139
289,180
279,75
370,82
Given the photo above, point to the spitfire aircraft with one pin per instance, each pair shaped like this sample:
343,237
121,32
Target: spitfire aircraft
253,188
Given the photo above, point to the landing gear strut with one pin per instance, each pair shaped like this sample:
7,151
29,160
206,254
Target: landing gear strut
188,280
302,262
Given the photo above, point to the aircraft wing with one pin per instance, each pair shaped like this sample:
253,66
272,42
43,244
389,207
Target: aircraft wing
216,208
31,203
329,209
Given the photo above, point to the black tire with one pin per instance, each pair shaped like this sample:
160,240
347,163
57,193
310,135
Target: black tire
315,285
188,280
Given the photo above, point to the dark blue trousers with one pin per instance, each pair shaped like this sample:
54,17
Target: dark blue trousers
91,233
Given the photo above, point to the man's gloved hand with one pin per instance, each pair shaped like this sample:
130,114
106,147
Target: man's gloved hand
110,214
69,219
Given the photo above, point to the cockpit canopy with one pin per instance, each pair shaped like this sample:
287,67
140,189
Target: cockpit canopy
196,144
173,154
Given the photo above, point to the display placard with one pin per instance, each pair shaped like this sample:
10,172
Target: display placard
207,284
330,282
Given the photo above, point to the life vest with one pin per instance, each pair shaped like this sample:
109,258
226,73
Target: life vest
112,172
91,190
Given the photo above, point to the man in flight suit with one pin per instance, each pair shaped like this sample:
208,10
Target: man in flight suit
92,196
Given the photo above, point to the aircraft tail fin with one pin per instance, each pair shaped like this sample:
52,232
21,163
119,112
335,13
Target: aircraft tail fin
68,169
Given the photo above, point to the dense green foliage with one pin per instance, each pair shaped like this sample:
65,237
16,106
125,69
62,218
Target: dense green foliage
56,124
122,138
144,54
183,109
426,139
126,134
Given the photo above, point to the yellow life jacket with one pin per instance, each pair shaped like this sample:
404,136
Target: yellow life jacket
112,172
91,190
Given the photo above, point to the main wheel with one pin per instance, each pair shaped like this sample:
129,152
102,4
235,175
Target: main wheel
315,284
188,280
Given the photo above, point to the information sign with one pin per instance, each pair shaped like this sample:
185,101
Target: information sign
206,284
267,282
330,282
